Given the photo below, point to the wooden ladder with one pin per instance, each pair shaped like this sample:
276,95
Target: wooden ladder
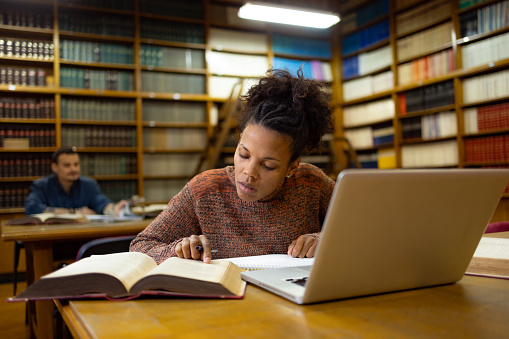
225,120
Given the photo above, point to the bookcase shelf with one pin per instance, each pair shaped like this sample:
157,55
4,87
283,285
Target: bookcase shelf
476,125
159,40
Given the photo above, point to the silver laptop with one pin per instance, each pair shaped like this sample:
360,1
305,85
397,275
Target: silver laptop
392,230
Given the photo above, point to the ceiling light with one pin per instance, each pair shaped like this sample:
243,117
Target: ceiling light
287,15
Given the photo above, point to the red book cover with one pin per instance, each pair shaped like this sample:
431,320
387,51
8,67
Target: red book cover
402,104
482,118
504,115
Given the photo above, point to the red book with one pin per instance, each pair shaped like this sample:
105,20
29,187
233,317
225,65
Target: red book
402,104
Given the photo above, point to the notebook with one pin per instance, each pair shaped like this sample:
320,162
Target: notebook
393,230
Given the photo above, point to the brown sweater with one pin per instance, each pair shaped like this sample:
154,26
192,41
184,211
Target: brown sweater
209,205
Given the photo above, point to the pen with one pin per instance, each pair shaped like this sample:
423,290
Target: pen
200,248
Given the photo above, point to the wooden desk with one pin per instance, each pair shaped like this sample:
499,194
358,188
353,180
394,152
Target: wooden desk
39,240
473,308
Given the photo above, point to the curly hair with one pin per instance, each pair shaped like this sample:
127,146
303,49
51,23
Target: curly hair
290,105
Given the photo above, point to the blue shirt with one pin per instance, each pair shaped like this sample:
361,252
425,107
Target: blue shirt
47,192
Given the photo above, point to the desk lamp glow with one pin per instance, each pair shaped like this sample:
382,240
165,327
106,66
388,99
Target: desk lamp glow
287,15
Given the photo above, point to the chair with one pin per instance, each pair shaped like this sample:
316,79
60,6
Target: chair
105,246
499,226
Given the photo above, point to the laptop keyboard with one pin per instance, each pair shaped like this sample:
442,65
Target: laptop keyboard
299,281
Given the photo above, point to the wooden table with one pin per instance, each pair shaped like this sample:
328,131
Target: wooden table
475,307
39,241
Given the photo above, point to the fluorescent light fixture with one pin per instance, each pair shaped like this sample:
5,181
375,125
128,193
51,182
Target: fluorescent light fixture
262,11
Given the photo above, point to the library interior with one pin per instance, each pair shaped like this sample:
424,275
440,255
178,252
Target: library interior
147,92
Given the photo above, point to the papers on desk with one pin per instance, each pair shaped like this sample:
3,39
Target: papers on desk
491,258
260,262
110,218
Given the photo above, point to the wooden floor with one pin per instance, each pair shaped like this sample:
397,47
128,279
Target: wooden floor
12,319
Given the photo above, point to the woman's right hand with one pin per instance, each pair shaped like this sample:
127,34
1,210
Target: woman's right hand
187,248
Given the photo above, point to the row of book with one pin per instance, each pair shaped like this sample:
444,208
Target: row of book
490,149
368,85
25,165
117,190
486,118
27,135
27,108
108,164
434,154
172,82
170,164
174,111
367,62
312,69
171,31
27,49
429,127
428,97
485,19
365,14
368,113
193,9
162,190
21,76
237,64
25,17
97,109
424,41
486,87
98,136
96,23
463,4
96,79
233,40
86,51
371,137
423,15
382,159
13,195
306,47
162,56
174,138
428,67
113,4
485,51
366,37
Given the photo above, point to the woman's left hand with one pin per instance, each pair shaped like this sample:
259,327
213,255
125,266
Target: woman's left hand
304,246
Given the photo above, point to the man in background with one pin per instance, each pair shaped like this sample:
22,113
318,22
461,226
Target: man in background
65,191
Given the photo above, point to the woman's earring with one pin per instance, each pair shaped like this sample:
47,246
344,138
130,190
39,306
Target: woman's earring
288,176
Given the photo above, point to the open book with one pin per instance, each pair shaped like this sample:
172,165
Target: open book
491,258
260,262
128,275
49,218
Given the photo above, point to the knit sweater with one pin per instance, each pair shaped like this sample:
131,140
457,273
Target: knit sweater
209,205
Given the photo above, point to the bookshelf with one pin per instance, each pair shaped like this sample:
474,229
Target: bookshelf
443,93
134,85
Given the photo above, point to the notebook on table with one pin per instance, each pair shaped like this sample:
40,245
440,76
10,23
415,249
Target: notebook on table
393,230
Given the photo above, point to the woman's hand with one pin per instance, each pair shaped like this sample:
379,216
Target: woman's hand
304,246
187,248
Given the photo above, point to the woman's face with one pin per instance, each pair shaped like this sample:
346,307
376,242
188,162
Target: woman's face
261,162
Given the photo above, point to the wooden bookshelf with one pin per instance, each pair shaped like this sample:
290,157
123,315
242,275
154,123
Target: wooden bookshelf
121,80
466,54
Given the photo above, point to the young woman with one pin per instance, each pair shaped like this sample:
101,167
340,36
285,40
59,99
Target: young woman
268,202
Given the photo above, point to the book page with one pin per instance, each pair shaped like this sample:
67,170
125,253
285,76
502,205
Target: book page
128,267
259,262
191,269
495,248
